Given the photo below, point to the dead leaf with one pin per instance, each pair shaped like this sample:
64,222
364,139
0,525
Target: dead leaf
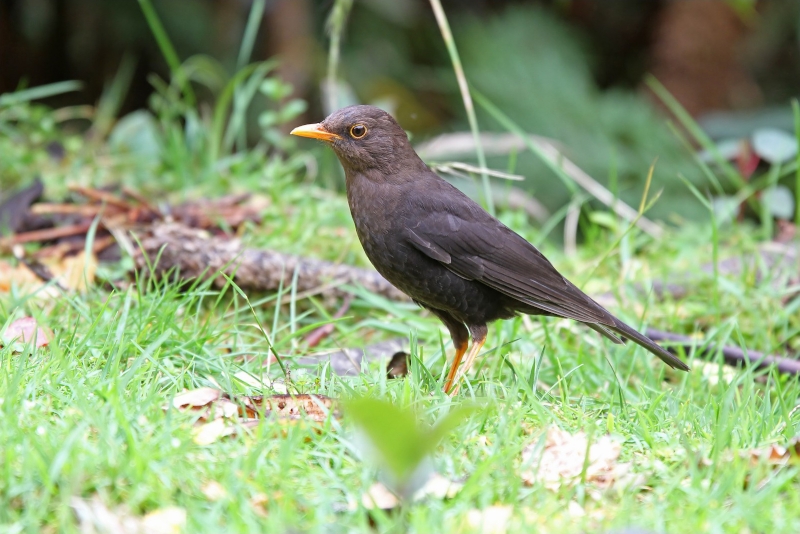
25,330
775,454
208,433
715,373
214,491
259,503
563,457
19,276
170,520
95,517
379,496
217,409
75,272
491,520
196,398
437,487
313,407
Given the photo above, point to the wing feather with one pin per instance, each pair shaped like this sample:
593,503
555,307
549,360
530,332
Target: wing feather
487,251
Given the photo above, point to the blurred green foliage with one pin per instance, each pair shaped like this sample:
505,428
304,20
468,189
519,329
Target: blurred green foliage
535,68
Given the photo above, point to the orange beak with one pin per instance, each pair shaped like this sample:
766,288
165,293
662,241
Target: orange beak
315,131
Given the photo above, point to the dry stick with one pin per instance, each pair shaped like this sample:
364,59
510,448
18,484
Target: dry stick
44,235
733,355
194,252
141,199
101,196
47,208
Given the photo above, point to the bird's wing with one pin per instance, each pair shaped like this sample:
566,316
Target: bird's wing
476,246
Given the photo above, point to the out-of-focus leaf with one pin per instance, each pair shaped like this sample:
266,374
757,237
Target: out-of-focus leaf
780,201
396,435
774,146
137,133
393,432
275,88
727,149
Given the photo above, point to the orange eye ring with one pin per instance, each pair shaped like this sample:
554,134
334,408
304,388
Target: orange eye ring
358,131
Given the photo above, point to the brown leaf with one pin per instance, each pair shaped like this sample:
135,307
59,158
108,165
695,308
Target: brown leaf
75,272
25,330
563,457
217,410
196,398
259,503
315,407
775,454
19,276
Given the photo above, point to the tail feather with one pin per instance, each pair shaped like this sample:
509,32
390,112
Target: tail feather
644,341
603,330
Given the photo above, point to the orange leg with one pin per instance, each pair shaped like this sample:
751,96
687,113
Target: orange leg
478,339
473,353
460,350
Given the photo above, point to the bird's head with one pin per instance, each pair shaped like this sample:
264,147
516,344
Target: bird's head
365,138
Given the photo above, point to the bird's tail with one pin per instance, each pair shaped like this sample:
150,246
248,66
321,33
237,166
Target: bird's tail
643,341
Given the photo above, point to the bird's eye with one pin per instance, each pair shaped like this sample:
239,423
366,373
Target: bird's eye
357,131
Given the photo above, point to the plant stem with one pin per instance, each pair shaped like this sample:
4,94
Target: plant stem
463,86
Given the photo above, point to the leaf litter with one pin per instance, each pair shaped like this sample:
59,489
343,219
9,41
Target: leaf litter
220,415
563,461
95,517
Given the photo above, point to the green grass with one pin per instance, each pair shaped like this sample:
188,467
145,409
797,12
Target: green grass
85,416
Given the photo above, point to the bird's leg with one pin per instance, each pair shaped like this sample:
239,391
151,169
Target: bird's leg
451,375
460,336
479,333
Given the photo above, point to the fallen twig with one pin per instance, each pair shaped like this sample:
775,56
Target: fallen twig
733,355
195,253
101,196
45,235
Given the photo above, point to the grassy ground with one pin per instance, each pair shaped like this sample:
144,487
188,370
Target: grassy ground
85,416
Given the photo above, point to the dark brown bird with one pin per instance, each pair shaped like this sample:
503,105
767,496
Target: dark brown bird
441,248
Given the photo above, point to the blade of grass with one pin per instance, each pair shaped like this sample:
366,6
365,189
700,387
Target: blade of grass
694,129
250,33
643,206
36,93
466,97
796,111
714,241
168,50
270,344
335,25
113,97
222,104
245,52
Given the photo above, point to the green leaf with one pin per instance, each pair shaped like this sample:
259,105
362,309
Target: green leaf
395,433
